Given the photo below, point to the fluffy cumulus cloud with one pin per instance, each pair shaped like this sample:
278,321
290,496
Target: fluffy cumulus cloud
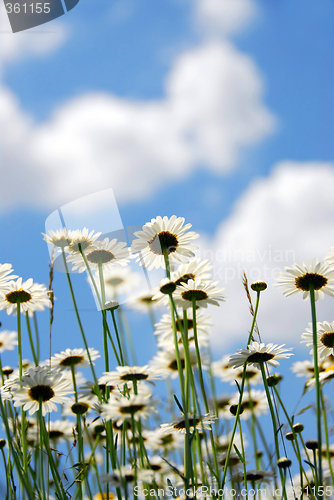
223,17
212,109
282,219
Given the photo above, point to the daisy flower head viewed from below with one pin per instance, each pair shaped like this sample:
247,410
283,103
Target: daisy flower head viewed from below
103,253
195,422
122,408
5,275
201,292
31,297
253,402
41,384
60,238
325,338
126,374
259,353
73,357
164,235
81,239
195,269
8,340
300,278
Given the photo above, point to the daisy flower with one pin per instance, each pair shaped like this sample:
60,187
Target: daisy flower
260,353
163,233
325,338
8,340
126,374
164,329
305,368
166,361
199,423
325,375
73,357
223,441
60,238
256,475
233,460
223,403
5,275
31,296
203,292
41,384
223,370
120,281
119,409
256,401
128,475
57,430
159,440
299,277
105,252
196,269
81,239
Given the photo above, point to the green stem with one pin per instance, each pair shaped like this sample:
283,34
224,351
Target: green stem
80,326
326,435
272,413
241,393
31,341
37,336
317,381
41,446
243,454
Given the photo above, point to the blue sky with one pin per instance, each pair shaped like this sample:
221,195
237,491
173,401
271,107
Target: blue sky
139,61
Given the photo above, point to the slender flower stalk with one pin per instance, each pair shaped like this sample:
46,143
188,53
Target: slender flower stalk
317,381
242,387
80,323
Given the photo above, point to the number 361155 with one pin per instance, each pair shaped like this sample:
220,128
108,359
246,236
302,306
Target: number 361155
27,8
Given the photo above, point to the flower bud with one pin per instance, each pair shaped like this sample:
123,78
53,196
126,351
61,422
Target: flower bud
312,444
284,463
79,408
258,286
234,409
274,379
298,428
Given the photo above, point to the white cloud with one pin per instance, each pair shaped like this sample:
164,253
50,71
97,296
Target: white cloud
223,17
212,109
33,42
284,218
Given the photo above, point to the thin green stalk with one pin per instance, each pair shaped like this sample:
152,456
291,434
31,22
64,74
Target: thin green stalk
23,432
326,435
243,455
8,488
80,325
41,457
253,432
317,381
112,312
201,379
272,413
37,336
31,340
241,392
297,452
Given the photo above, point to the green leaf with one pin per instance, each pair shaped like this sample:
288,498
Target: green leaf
239,454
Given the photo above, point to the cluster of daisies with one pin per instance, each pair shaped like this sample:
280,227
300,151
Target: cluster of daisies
113,437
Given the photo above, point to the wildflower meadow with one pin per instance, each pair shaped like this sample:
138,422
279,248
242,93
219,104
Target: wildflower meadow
107,434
